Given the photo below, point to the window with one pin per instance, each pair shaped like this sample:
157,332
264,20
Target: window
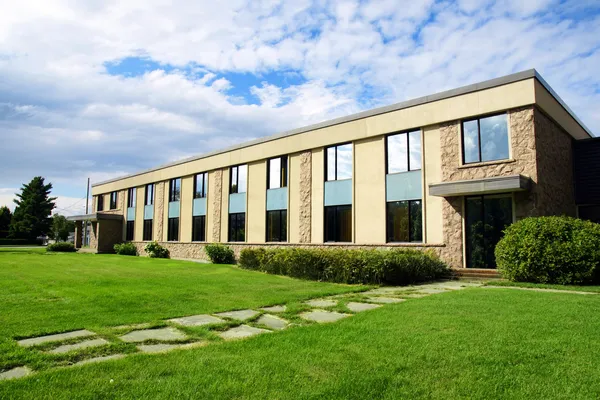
129,230
405,221
338,162
277,226
238,179
485,139
174,189
149,196
199,228
338,223
130,197
403,152
277,172
173,230
113,200
147,229
237,227
200,185
100,203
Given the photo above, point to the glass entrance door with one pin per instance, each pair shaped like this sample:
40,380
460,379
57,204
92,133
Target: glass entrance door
486,218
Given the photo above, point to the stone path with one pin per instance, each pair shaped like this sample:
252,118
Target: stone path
230,325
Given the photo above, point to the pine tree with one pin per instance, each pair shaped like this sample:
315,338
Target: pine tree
5,217
32,214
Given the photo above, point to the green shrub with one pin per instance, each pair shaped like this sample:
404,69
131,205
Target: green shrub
155,250
19,242
64,247
219,254
394,267
559,250
125,249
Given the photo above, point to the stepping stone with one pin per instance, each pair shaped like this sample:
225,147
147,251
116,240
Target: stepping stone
322,316
55,338
431,290
241,315
415,295
163,348
82,345
133,326
15,373
272,322
165,334
322,303
275,309
359,307
100,359
197,320
241,332
385,300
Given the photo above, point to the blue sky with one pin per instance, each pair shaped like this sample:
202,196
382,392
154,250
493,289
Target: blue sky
103,88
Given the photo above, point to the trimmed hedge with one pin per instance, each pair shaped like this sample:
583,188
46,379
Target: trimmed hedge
155,250
125,249
219,254
393,267
560,250
63,247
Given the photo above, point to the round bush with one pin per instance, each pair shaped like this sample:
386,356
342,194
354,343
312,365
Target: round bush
155,250
560,250
64,247
125,249
219,254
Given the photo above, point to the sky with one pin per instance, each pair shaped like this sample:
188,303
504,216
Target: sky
103,88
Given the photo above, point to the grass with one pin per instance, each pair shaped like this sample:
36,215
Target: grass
591,289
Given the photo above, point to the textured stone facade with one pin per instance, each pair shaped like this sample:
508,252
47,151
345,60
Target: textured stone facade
159,210
217,194
120,210
109,233
305,213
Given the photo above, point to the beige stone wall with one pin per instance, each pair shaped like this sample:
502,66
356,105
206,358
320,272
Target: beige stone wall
555,185
120,210
159,210
94,235
317,193
140,194
256,202
214,202
305,203
185,209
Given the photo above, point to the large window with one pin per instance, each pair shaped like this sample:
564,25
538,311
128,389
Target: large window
147,230
277,226
277,172
199,228
237,227
200,185
173,230
100,202
338,223
405,221
238,179
113,201
338,162
174,189
403,152
129,230
149,195
130,197
485,139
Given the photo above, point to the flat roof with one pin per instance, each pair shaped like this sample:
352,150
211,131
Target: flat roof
512,78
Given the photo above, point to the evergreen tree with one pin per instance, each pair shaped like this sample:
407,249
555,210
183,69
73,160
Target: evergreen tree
32,214
5,217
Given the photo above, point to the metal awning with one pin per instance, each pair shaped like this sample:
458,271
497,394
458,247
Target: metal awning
499,184
94,217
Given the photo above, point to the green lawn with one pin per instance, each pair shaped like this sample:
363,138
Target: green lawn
590,288
475,343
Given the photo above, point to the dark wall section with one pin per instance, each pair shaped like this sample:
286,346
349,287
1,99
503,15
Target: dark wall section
586,160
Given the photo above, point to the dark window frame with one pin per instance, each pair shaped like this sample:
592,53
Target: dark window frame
173,195
283,172
387,158
100,202
237,177
282,228
204,191
113,201
202,231
388,234
336,225
173,234
148,230
336,161
149,202
131,197
462,138
129,231
231,230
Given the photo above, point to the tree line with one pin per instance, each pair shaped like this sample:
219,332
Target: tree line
32,217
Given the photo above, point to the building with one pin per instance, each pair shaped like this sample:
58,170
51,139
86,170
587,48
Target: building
446,172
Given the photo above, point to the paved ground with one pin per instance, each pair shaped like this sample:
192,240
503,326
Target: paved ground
231,325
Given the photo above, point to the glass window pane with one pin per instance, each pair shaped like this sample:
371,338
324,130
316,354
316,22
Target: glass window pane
344,224
494,137
233,184
416,221
398,221
344,162
284,164
397,153
242,178
274,173
414,141
474,227
204,184
283,222
330,220
470,142
331,164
